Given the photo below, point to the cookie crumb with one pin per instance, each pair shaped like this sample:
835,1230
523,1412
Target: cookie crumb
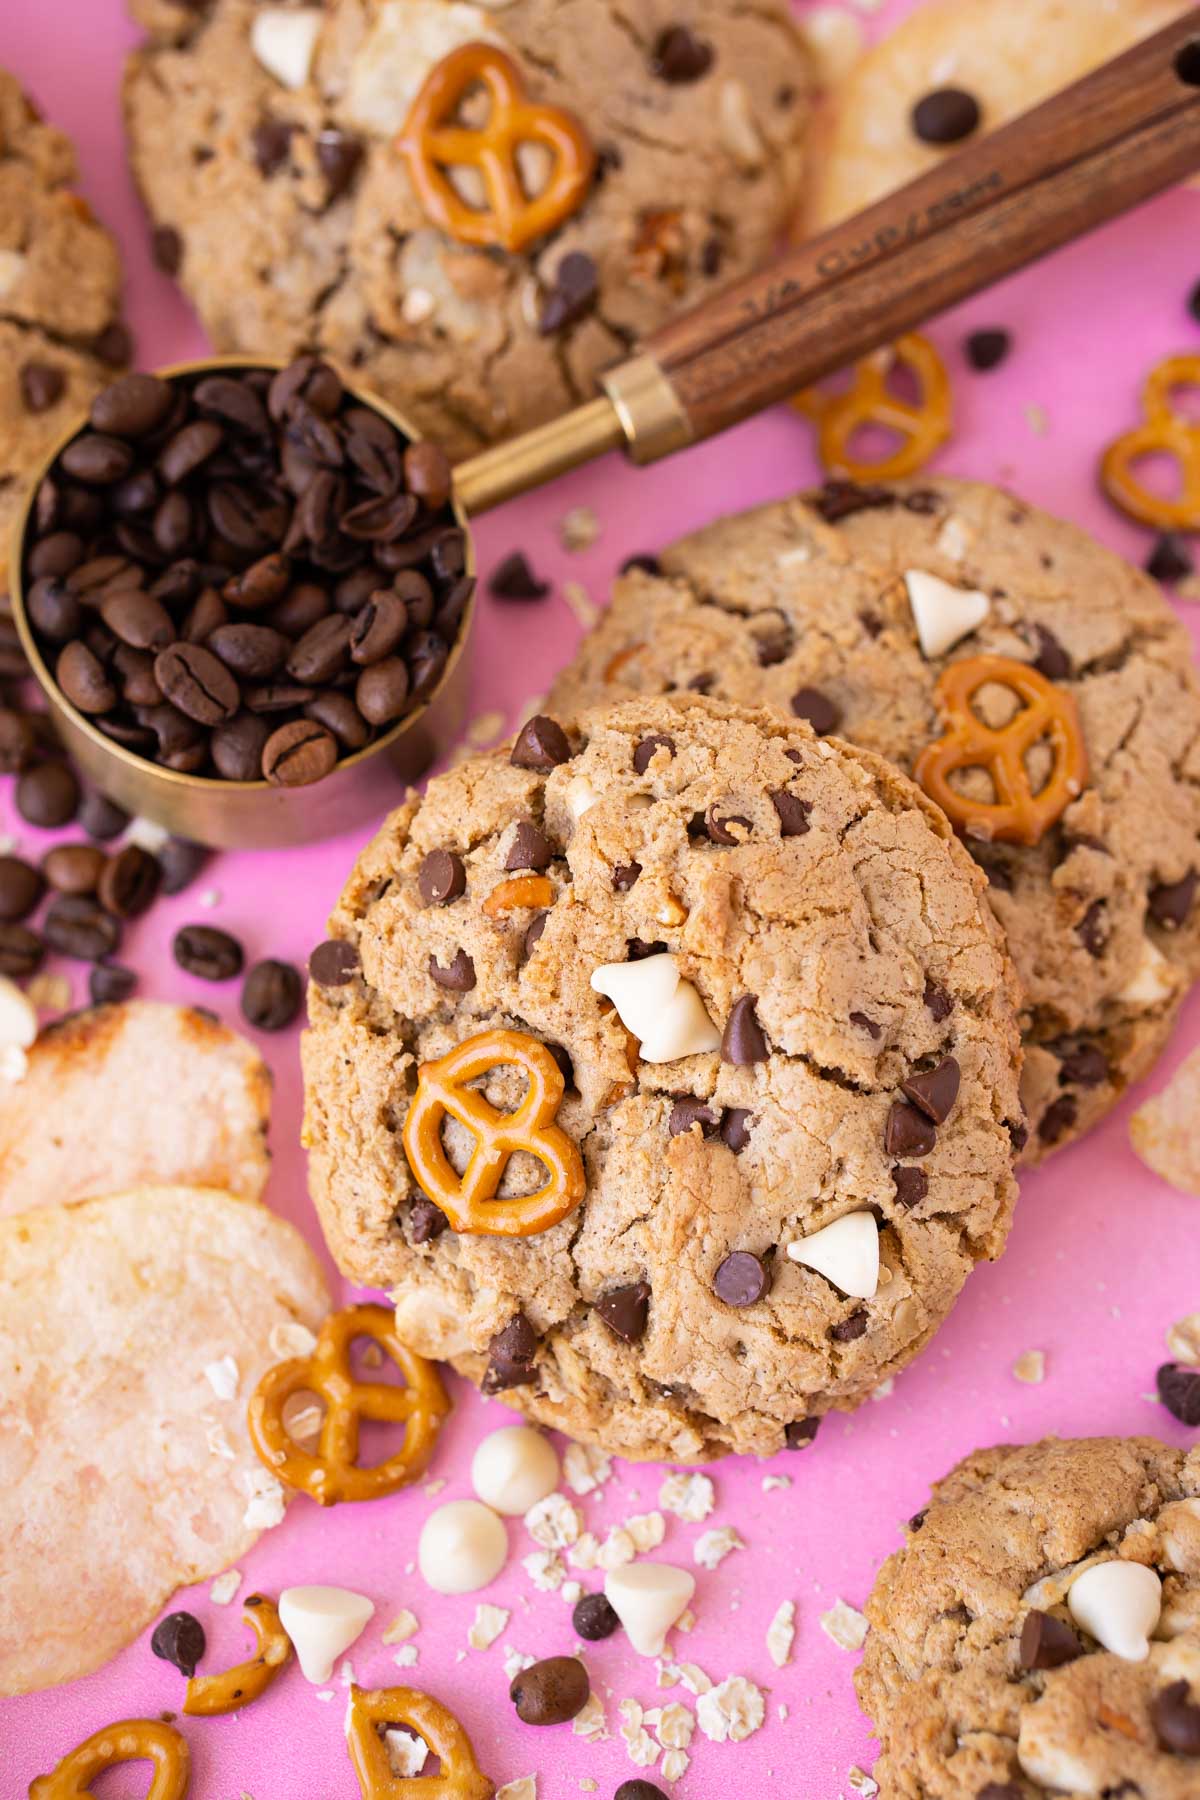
554,1522
861,1783
406,1656
581,603
225,1587
578,529
545,1569
516,1662
775,1484
222,1377
1030,1367
267,1503
847,1627
1163,1131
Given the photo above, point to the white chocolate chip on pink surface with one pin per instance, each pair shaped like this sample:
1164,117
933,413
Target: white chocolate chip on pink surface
845,1252
1119,1604
322,1622
942,613
513,1469
463,1546
648,1598
662,1009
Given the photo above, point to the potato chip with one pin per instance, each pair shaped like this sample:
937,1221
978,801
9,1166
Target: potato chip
132,1331
128,1096
1165,1131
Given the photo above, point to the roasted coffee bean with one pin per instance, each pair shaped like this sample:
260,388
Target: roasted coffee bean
76,925
594,1619
261,584
109,984
338,713
236,747
299,753
179,1640
322,653
48,794
97,460
377,629
272,995
353,591
639,1790
54,611
427,474
132,406
134,670
299,609
550,1692
74,868
81,676
18,741
233,403
180,862
138,619
207,951
333,963
191,446
179,583
21,951
252,651
381,520
197,682
130,882
21,887
102,818
174,733
56,555
427,658
382,691
276,696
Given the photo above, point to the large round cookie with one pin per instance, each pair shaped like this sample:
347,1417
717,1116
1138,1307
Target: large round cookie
835,935
946,1678
60,298
1007,55
810,595
294,223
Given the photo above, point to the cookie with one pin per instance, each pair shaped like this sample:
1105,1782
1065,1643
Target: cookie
1007,1656
293,222
744,947
948,74
805,605
61,336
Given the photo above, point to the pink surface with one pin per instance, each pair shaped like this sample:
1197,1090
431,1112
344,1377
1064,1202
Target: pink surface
1102,1257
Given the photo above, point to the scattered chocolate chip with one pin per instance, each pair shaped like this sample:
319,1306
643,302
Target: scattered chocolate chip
550,1692
1091,930
638,949
270,142
1171,901
946,116
643,562
1179,1391
530,849
511,1354
1170,560
272,995
800,1433
541,744
625,1310
1176,1719
22,886
934,1090
576,285
593,1618
208,952
794,813
42,386
624,875
1082,1064
908,1131
865,1024
441,878
109,984
741,1279
77,926
853,1326
458,975
679,56
644,751
513,579
425,1220
688,1111
1047,1642
820,711
1058,1119
339,154
735,1134
166,249
179,1640
911,1185
987,349
333,963
743,1041
720,827
1193,303
1051,659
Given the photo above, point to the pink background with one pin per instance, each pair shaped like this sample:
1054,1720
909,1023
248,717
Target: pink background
1102,1257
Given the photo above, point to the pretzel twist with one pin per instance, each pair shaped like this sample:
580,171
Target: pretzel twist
923,425
1164,431
129,1740
370,1708
245,1681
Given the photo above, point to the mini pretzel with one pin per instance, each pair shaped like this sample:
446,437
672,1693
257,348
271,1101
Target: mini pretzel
460,1777
430,142
520,890
130,1740
1163,432
469,1202
1016,815
923,425
331,1473
237,1687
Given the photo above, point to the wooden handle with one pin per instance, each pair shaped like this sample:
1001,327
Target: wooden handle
1085,155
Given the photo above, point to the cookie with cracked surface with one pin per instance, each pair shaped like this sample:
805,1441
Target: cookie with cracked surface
293,222
809,605
948,74
61,337
749,947
986,1680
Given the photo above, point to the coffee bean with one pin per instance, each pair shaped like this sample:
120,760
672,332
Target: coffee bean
593,1618
934,1090
56,555
191,446
457,976
180,861
530,849
276,696
427,657
109,984
208,952
262,584
299,753
1176,1719
680,56
511,1354
76,925
18,742
946,116
513,579
908,1131
48,794
272,995
644,750
377,629
822,713
323,652
197,682
427,474
252,651
380,520
233,403
639,1790
81,676
381,693
911,1185
138,619
42,386
987,349
541,744
741,1279
21,951
132,406
1047,1642
1170,559
21,888
130,882
333,963
626,1310
800,1433
179,1640
1171,902
573,295
743,1041
338,713
1179,1391
74,868
204,617
441,878
237,746
96,459
550,1692
102,818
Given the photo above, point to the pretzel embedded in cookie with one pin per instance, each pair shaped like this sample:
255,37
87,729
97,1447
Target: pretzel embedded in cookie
373,1709
469,1201
431,142
237,1687
1047,714
923,425
331,1473
1164,431
129,1740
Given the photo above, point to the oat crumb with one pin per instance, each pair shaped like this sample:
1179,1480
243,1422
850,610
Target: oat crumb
690,1497
586,1468
523,1788
579,528
402,1627
781,1633
732,1711
712,1547
225,1587
488,1623
845,1626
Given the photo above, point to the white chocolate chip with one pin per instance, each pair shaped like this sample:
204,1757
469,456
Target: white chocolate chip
943,614
1153,980
663,1011
284,39
463,1546
12,268
846,1253
737,128
322,1622
18,1017
405,40
1119,1604
290,1338
580,796
648,1598
513,1469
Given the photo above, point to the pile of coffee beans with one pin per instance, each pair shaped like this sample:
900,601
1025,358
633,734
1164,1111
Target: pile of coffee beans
245,574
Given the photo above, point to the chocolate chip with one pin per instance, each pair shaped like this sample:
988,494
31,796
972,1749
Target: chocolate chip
853,1326
541,744
458,975
425,1220
1170,559
550,1692
1082,1064
593,1619
1193,302
987,349
720,827
511,1354
530,849
840,499
624,875
800,1433
181,861
270,142
642,561
735,1134
1018,1134
272,995
77,926
934,1090
576,285
626,1310
48,795
639,1790
441,878
911,1185
513,579
179,1640
1171,901
1091,930
1001,1790
1058,1118
109,984
42,386
865,1024
938,1002
688,1111
207,951
533,932
679,56
129,882
908,1132
644,750
166,249
1179,1391
794,813
741,1280
22,886
743,1041
1051,659
946,116
1176,1719
820,711
338,155
334,963
1047,1642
